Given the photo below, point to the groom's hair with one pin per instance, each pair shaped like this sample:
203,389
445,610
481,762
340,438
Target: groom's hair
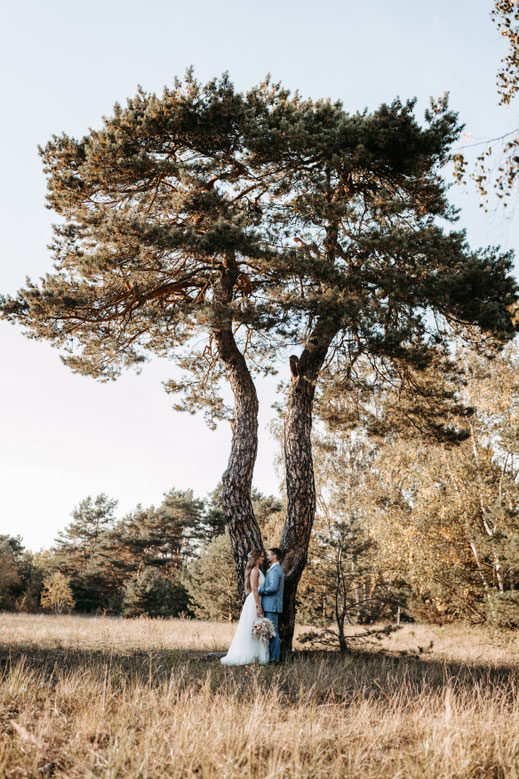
277,552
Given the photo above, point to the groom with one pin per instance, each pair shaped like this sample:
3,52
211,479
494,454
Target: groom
272,597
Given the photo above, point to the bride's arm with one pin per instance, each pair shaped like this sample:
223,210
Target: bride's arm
254,577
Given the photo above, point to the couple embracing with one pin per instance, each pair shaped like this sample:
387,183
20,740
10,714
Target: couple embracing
264,599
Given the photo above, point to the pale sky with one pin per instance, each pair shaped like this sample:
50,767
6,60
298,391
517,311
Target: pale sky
64,65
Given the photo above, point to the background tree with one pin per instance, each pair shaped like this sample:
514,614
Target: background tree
32,573
10,548
77,546
215,521
21,575
153,594
346,581
445,517
102,554
57,594
480,498
78,541
497,160
211,581
165,537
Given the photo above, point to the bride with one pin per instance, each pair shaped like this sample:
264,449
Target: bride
244,648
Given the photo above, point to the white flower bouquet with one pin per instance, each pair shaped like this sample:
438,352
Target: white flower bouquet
263,629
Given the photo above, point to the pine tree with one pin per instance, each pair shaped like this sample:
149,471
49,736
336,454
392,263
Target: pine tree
215,520
152,594
32,574
220,229
90,519
76,548
211,581
267,510
164,537
10,548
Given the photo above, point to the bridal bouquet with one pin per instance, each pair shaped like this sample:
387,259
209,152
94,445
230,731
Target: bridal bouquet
263,629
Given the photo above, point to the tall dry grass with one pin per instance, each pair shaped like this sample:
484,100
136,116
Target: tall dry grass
103,697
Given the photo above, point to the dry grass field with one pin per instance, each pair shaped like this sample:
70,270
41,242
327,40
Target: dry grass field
106,697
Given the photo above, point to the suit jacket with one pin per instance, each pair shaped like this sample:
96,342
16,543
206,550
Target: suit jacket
272,589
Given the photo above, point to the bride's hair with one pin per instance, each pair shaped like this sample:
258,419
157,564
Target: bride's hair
252,562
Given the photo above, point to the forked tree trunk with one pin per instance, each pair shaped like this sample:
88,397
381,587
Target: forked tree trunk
300,482
237,479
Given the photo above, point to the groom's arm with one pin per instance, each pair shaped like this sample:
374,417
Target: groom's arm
272,587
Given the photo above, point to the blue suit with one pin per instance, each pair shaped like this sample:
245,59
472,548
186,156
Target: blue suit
272,603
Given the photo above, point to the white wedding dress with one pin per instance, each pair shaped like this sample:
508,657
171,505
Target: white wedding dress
244,648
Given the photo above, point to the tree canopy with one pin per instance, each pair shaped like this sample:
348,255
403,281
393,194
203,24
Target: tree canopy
497,159
317,213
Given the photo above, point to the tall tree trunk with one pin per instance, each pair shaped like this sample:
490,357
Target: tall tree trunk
237,478
300,482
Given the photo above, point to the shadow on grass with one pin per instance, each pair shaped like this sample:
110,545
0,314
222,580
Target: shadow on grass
320,676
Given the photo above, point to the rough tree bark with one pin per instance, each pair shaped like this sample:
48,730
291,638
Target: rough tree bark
300,482
237,478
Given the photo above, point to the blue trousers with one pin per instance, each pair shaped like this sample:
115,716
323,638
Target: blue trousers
274,647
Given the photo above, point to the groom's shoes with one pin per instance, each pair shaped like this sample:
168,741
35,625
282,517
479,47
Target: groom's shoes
274,662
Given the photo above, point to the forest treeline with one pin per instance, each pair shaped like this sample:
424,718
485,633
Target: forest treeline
407,527
168,560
